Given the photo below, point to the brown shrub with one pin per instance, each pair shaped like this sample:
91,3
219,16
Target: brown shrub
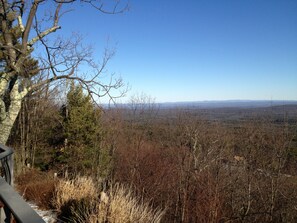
37,186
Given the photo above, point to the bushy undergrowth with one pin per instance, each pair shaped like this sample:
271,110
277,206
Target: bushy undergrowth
79,200
38,187
74,189
124,207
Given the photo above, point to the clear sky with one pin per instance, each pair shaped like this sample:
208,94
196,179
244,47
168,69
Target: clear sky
198,49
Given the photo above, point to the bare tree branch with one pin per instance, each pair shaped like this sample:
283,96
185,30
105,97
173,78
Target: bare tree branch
29,24
61,58
20,21
43,34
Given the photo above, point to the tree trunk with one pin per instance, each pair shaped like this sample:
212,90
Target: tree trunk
9,116
7,124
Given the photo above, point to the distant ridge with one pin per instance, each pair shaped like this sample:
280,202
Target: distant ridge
215,104
228,104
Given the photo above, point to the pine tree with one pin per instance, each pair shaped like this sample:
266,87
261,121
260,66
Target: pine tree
85,150
81,123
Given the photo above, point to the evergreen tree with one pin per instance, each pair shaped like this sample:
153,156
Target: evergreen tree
84,149
82,125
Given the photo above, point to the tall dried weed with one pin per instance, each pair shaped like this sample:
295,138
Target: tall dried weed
74,189
79,201
124,207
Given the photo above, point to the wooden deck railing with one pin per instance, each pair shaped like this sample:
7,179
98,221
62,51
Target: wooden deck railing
12,204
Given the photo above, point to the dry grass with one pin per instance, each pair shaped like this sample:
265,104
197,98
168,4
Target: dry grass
75,189
124,207
78,200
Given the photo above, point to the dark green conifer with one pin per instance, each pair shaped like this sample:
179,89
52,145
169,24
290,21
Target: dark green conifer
84,148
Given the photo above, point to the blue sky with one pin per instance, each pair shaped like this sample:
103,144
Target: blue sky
198,49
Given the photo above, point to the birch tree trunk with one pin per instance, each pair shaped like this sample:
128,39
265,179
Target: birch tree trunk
9,115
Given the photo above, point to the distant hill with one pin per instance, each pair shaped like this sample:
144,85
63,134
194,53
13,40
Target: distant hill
227,104
231,110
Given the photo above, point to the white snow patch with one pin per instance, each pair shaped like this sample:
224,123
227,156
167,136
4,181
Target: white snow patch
49,216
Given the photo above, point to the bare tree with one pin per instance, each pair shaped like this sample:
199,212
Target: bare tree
19,66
